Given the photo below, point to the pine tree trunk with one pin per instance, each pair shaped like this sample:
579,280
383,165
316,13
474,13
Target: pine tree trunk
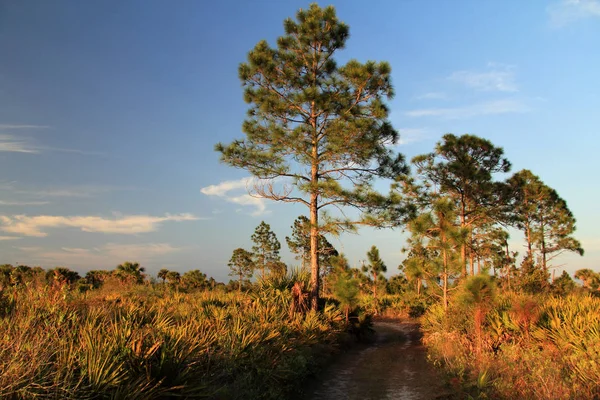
528,234
472,260
314,232
314,210
374,285
445,283
543,239
463,247
507,264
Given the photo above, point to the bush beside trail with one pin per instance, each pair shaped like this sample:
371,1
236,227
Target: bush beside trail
527,347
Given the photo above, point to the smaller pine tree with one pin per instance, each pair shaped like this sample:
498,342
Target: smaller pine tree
241,266
375,269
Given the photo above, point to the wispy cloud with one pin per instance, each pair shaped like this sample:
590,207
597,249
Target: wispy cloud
29,249
497,77
22,203
78,191
225,188
105,256
2,238
7,127
432,96
505,106
565,12
412,135
120,224
10,143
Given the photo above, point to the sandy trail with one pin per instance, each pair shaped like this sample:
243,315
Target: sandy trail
393,367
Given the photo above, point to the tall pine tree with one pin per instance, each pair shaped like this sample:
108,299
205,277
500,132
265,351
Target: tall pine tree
265,251
299,243
316,124
462,168
240,266
439,231
544,218
375,268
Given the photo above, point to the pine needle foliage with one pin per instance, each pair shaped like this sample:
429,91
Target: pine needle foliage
321,126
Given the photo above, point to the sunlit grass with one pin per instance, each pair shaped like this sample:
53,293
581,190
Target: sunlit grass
533,347
147,343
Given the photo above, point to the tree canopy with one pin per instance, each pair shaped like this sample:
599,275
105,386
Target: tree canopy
321,126
265,252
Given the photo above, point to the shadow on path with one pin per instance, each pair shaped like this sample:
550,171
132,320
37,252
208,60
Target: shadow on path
393,367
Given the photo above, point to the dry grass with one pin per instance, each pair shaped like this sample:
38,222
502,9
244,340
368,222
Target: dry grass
143,343
534,348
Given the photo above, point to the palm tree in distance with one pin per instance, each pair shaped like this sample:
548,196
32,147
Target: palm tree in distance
162,274
130,272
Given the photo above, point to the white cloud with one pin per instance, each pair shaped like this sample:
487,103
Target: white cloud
433,96
565,12
488,108
9,238
125,224
497,77
223,190
9,143
412,135
102,257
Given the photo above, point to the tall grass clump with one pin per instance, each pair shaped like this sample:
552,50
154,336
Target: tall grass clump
139,342
515,345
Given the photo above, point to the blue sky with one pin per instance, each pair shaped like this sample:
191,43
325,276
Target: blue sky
109,112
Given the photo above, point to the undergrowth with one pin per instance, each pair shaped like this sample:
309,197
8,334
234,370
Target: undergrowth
144,343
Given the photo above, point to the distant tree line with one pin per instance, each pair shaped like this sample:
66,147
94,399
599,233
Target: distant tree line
127,273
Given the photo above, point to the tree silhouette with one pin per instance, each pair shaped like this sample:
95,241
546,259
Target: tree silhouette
265,251
478,292
563,285
130,272
299,243
162,274
417,265
96,278
241,266
544,218
174,278
375,268
194,279
462,168
61,276
438,231
590,279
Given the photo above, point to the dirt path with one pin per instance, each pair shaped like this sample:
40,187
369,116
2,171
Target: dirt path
393,367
